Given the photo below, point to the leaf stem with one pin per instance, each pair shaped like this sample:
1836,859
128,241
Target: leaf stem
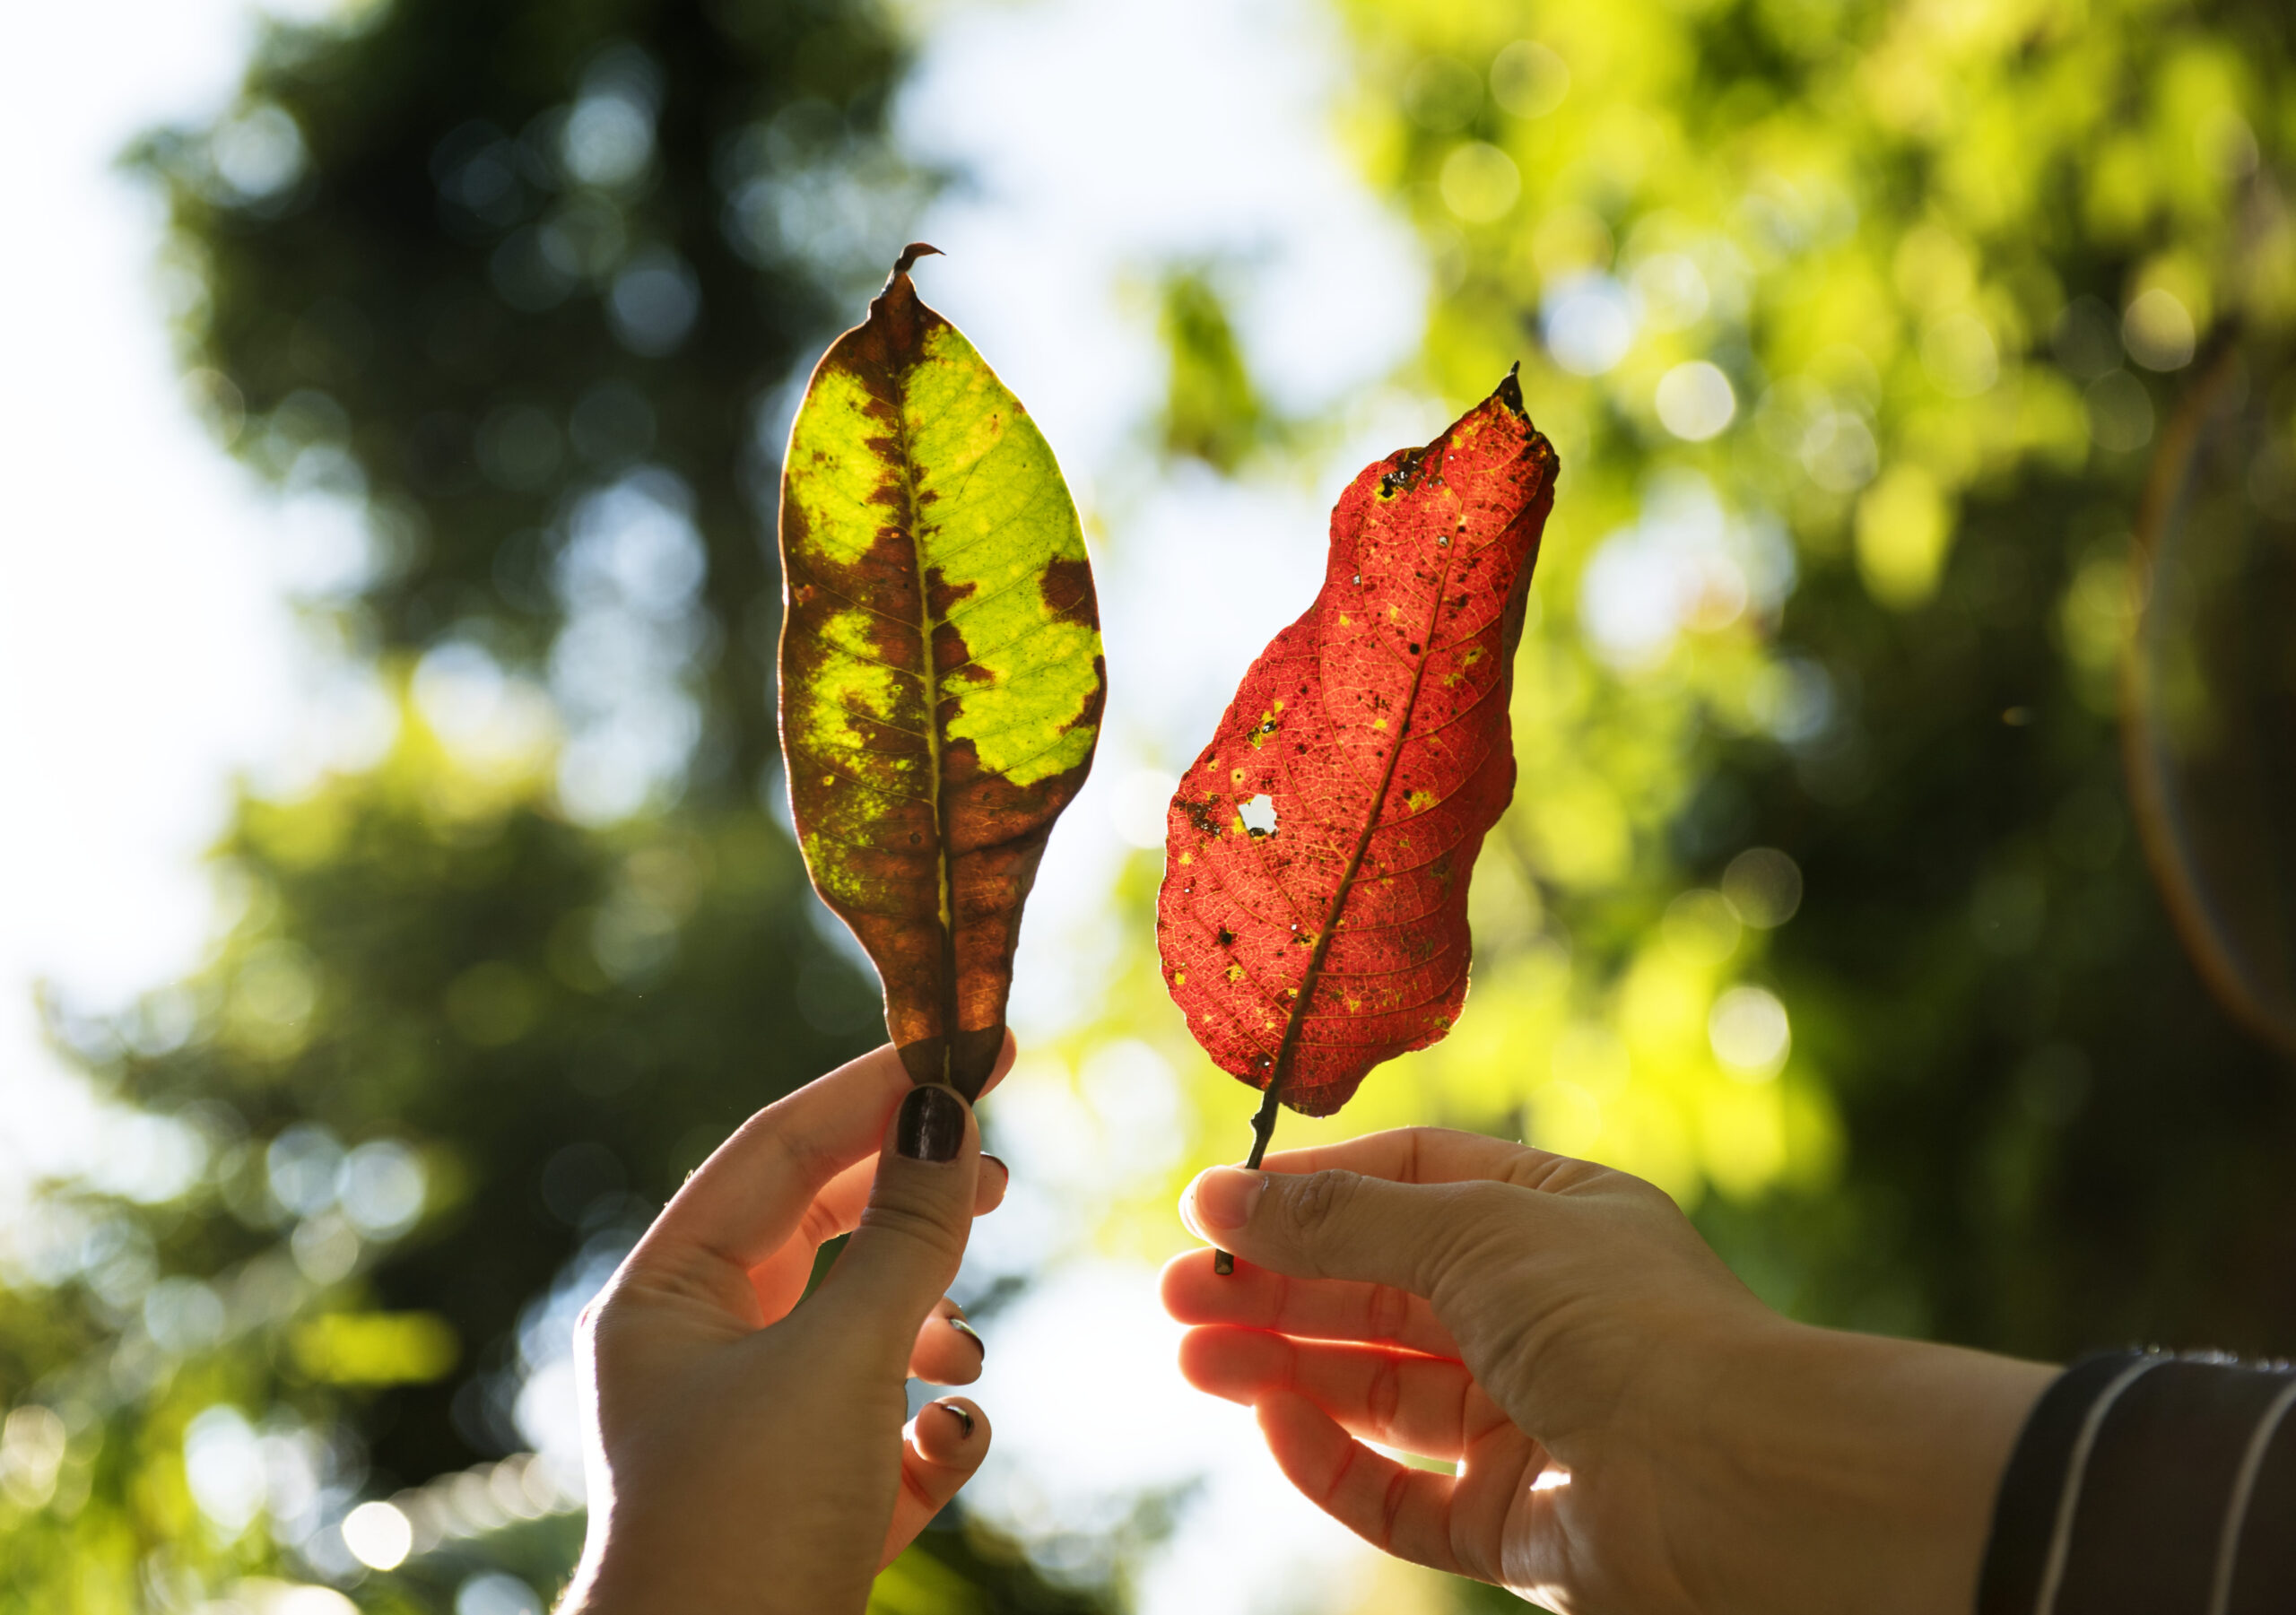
1263,1130
1264,1124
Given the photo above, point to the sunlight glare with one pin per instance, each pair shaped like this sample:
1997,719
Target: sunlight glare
378,1536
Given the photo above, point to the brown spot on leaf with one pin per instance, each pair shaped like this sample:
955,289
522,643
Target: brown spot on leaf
941,596
1067,588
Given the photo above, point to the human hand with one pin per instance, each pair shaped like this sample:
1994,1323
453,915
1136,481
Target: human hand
1633,1430
745,1457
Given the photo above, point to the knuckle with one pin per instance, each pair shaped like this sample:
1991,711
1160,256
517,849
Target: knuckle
1526,1171
1415,1154
1538,1170
1427,1149
1383,1396
1311,1203
1388,1312
602,1323
1392,1498
914,1225
803,1157
819,1225
600,1311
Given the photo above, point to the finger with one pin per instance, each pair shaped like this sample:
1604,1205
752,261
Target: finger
1331,1310
1337,1224
911,1234
940,1450
949,1350
1398,1510
781,1278
1427,1405
837,1208
747,1199
1429,1155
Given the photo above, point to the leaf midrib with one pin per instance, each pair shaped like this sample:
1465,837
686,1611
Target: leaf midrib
912,513
1287,1048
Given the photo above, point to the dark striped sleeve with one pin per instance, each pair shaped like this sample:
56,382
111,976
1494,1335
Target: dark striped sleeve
2145,1482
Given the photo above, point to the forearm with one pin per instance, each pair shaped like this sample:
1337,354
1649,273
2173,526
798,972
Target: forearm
2145,1482
1858,1473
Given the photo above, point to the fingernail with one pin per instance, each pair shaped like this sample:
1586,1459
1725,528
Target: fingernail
932,1123
997,1161
1225,1195
972,1335
964,1418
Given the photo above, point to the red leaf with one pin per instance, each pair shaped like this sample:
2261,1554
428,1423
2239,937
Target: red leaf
1309,950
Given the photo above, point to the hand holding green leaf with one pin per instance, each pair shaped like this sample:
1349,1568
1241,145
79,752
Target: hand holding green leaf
942,676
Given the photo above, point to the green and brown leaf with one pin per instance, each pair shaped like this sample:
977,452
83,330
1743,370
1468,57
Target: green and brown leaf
942,677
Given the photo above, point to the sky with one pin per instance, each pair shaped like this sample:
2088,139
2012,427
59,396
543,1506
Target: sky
148,657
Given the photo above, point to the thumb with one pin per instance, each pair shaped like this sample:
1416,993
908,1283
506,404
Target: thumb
1335,1224
912,1237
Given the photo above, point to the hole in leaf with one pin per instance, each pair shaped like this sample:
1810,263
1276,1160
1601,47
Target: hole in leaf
1259,815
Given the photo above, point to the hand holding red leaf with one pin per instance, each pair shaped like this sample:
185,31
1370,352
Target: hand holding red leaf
1313,916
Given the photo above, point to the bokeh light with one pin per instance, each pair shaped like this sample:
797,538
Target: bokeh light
378,1536
1695,400
1749,1030
1763,887
1590,323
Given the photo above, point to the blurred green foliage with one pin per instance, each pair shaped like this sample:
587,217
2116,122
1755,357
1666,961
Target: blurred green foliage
1858,326
1213,411
504,298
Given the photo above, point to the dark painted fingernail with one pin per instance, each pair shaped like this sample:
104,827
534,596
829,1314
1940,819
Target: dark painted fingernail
932,1123
972,1335
964,1418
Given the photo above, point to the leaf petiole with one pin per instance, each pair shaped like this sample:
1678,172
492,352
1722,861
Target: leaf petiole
1263,1130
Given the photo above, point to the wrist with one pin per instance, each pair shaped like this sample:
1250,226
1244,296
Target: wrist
1859,1472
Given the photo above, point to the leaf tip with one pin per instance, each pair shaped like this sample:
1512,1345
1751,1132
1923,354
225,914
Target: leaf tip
1510,391
910,254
